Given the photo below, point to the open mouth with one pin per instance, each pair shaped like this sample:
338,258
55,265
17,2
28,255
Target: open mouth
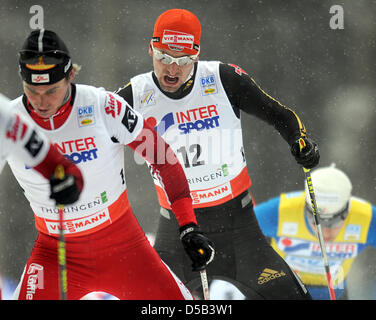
171,80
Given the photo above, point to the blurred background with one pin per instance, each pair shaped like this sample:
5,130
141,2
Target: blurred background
326,75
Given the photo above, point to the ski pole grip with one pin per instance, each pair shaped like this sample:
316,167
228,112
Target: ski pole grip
59,172
302,144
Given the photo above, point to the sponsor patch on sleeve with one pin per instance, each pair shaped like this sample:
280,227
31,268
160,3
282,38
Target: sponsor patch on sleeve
113,106
16,130
130,119
34,145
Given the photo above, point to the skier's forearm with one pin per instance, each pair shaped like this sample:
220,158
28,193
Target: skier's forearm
150,145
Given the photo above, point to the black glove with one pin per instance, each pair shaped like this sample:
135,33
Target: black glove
198,247
309,156
64,191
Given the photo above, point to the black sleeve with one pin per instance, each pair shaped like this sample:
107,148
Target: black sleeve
244,94
126,93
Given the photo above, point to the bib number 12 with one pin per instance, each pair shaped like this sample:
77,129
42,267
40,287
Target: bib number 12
194,149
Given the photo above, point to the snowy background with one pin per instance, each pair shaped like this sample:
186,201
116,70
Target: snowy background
327,76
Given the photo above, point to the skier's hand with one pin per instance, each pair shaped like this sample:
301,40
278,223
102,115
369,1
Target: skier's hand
198,247
308,156
66,189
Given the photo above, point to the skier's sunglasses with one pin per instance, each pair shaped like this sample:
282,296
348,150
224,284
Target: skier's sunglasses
167,59
49,57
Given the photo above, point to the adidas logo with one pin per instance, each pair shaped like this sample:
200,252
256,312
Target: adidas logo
269,274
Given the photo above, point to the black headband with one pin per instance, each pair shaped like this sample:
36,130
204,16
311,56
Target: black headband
48,76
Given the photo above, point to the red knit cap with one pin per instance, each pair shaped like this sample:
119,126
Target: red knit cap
178,30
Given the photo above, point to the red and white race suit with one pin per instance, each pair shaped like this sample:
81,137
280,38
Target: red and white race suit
106,248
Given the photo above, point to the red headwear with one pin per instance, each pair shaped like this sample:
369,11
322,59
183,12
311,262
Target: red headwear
177,30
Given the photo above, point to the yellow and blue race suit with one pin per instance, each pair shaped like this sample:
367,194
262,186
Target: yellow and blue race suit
283,221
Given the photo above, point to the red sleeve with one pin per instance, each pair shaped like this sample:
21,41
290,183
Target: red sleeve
151,146
52,159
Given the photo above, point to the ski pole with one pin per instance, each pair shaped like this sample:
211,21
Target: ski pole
204,281
205,284
307,173
62,254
